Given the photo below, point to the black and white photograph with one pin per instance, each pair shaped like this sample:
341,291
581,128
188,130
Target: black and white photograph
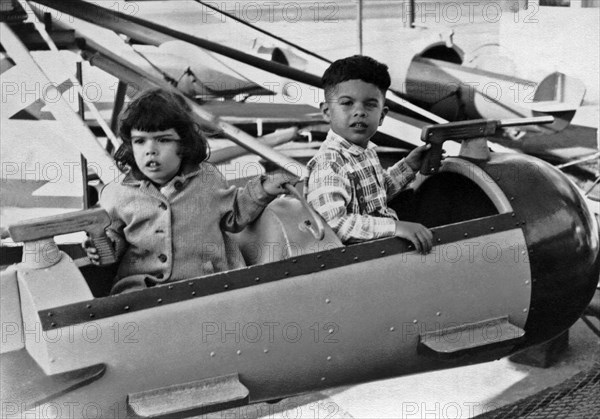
310,209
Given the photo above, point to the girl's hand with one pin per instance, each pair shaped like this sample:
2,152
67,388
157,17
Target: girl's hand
92,252
274,181
419,235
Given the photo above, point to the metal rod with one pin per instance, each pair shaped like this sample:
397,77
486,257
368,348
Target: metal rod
155,34
84,171
360,28
256,28
534,120
117,66
82,139
78,88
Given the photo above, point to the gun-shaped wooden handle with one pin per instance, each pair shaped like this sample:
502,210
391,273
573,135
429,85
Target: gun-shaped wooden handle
465,130
92,221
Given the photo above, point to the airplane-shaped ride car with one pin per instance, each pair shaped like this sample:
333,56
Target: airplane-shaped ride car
515,262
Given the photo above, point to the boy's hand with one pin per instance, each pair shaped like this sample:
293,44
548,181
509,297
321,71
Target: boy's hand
416,156
419,235
274,181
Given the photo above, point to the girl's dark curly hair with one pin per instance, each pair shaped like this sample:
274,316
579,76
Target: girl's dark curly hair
160,110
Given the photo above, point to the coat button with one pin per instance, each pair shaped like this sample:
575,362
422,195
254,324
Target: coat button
162,258
162,206
362,199
178,185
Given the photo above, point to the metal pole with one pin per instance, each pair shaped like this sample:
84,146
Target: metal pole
84,172
360,29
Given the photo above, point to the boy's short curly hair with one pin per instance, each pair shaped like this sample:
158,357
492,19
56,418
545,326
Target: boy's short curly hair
160,110
356,67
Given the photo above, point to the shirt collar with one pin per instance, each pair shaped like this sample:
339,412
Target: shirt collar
337,142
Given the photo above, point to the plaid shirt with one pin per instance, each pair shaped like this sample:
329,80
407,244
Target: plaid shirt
350,189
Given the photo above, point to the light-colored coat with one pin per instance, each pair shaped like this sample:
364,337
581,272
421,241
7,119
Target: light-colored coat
179,231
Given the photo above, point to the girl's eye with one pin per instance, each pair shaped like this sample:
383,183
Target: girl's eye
138,141
165,140
346,103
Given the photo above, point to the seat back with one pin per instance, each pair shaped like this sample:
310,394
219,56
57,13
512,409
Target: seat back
280,233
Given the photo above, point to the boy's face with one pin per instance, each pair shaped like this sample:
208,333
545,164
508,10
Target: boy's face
355,110
156,154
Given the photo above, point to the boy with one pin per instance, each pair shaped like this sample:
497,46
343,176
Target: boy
346,182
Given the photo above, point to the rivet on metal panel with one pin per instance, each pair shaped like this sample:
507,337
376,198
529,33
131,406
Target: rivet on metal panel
212,354
330,331
343,250
527,282
52,324
383,252
322,265
238,352
355,257
294,261
439,240
329,358
415,321
50,314
318,256
512,215
524,310
286,273
256,279
190,283
226,286
266,351
88,306
170,287
193,292
126,308
322,378
392,329
327,300
92,315
466,234
492,228
439,313
512,198
159,300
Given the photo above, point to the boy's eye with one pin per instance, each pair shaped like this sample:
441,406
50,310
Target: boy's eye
138,141
345,103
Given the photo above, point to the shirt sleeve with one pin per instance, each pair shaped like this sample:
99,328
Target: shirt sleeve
330,192
397,178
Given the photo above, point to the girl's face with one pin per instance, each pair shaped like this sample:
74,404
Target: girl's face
156,154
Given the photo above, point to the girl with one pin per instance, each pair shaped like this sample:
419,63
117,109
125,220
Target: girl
170,212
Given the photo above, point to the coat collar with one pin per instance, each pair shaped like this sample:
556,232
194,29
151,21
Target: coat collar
136,178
